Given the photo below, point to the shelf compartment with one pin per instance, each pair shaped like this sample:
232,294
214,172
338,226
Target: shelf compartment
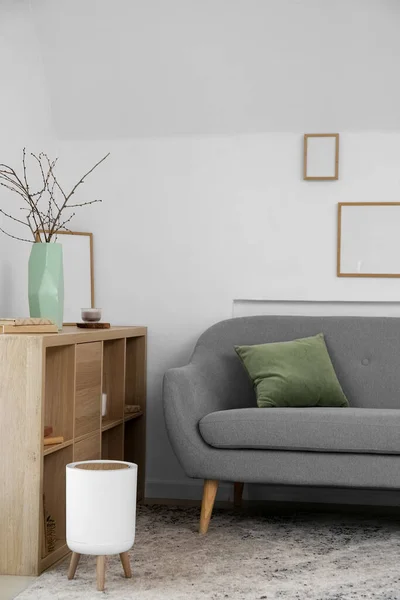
59,390
88,448
135,367
110,423
112,443
114,378
54,495
135,393
88,388
56,447
134,449
59,552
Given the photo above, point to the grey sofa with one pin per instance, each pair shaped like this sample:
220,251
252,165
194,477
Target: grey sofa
219,434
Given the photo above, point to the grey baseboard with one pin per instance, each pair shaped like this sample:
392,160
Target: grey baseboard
191,489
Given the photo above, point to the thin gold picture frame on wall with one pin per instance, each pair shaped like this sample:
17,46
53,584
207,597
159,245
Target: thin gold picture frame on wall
335,157
91,265
339,272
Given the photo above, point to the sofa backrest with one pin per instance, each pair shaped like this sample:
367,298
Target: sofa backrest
365,352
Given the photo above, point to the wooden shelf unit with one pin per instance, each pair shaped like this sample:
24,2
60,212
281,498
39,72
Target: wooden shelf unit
58,380
133,416
56,447
110,423
112,443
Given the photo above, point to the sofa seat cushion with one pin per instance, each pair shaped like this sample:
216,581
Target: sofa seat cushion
354,430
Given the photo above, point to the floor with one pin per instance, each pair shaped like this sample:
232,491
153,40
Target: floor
10,586
246,555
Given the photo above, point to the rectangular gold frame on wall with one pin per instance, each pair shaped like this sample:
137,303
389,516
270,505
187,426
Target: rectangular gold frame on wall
335,158
339,272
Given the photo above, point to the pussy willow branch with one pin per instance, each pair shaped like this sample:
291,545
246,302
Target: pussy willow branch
62,225
48,222
12,189
14,237
3,212
12,177
68,196
23,196
31,201
45,178
83,203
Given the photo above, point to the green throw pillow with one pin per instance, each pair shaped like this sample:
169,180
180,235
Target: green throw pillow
297,373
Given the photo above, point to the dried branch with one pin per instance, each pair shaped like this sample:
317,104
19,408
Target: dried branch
13,218
74,189
42,221
24,167
29,196
45,178
31,201
13,189
50,189
13,173
52,196
6,176
83,204
62,226
15,182
14,237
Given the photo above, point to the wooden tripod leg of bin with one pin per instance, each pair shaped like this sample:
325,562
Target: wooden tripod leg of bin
73,564
101,572
124,556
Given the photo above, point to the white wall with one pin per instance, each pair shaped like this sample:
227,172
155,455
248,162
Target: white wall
25,118
24,99
131,68
191,222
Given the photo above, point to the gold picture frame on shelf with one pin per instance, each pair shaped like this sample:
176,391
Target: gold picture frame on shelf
321,157
78,274
368,244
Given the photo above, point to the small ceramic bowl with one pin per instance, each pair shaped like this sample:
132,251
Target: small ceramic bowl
91,315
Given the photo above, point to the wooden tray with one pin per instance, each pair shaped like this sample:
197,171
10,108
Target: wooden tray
94,325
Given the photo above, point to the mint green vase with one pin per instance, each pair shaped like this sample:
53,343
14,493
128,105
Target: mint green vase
46,282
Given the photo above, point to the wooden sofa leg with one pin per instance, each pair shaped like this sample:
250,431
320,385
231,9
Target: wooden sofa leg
209,492
237,494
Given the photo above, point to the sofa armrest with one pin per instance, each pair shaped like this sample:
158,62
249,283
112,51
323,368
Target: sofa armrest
190,393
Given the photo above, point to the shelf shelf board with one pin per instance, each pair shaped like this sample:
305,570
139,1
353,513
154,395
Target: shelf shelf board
55,447
130,416
110,423
60,550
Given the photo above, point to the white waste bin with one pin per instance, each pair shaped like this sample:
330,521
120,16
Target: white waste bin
101,512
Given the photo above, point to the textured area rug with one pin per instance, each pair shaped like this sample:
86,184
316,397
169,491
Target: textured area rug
243,557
